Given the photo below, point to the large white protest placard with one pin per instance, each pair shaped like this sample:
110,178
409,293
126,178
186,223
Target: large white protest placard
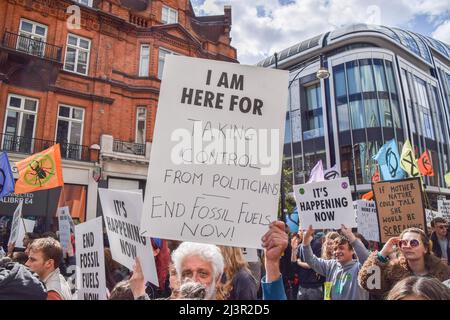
444,208
430,215
214,173
15,223
325,204
367,219
90,257
25,225
64,227
122,212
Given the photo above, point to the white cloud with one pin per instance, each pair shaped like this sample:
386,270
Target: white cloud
442,32
284,25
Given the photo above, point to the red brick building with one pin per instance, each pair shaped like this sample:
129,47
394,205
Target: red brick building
94,88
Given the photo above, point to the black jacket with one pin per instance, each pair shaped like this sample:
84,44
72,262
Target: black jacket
18,283
436,248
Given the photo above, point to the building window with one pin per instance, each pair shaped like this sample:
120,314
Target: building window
33,37
85,2
69,131
20,122
161,60
77,54
144,61
424,108
313,124
141,124
169,15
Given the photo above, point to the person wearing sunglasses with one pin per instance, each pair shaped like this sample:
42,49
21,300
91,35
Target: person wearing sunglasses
440,239
379,274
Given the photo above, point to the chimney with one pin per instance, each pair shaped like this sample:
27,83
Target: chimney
227,13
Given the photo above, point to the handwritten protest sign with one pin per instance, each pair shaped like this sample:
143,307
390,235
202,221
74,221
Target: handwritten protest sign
367,219
64,227
25,225
444,208
325,204
430,215
90,257
399,206
122,212
214,173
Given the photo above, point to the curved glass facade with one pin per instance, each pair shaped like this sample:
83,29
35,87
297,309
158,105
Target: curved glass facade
368,114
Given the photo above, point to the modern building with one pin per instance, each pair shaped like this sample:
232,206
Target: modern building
86,74
385,83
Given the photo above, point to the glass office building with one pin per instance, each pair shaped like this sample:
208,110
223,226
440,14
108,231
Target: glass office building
385,83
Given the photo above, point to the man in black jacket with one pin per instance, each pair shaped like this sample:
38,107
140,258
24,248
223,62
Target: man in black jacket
17,282
440,239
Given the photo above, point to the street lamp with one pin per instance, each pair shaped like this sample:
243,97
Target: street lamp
322,73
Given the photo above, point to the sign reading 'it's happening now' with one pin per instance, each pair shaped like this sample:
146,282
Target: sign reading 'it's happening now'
214,173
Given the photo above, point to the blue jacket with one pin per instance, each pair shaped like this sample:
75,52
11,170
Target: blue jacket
273,290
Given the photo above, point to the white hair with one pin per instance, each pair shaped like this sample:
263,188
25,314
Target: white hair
207,252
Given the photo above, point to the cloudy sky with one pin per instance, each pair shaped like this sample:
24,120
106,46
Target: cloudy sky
261,27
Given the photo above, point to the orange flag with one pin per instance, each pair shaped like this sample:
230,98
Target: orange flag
367,196
40,171
425,165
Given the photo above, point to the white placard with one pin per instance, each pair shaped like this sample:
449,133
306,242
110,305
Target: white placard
430,215
122,212
64,218
15,223
214,173
325,204
250,254
367,219
90,257
25,225
444,208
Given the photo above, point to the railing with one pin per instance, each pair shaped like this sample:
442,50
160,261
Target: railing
139,21
18,144
129,147
34,47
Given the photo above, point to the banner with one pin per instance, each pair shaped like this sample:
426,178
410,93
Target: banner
389,161
325,205
122,212
444,209
425,165
215,166
367,220
40,171
64,218
408,160
25,225
400,206
15,223
6,176
90,257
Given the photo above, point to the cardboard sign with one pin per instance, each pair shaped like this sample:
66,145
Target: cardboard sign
367,219
444,208
325,204
25,225
400,206
90,257
250,254
214,173
122,212
64,218
13,236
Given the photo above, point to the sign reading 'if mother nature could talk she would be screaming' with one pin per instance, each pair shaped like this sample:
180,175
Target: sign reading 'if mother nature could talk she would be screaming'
325,204
399,206
122,212
214,173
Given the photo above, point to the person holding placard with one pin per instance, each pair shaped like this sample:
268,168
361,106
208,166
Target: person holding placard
379,274
341,273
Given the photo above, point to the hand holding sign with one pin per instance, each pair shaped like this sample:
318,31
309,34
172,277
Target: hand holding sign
348,233
137,282
274,242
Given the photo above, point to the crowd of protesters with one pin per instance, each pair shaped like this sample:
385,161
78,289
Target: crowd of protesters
305,265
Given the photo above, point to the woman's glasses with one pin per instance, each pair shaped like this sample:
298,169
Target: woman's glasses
412,243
